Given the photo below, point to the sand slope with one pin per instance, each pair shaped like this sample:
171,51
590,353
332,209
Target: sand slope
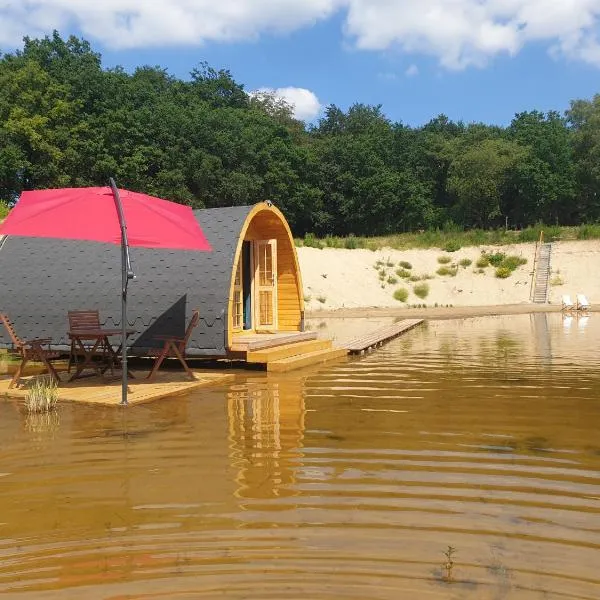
338,278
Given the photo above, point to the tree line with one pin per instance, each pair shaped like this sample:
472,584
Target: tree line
65,121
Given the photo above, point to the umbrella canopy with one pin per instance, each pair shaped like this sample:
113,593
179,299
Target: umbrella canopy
107,214
89,214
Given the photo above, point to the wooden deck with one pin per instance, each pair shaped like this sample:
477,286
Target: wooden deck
380,336
97,390
246,342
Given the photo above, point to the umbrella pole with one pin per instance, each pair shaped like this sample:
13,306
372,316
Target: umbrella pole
126,275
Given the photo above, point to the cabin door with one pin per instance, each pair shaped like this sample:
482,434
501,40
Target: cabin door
265,285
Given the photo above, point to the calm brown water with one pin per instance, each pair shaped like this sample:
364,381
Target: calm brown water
346,482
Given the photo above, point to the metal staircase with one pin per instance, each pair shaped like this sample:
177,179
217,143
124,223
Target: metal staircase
542,274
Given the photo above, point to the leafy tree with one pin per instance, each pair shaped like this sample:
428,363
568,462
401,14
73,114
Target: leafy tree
477,178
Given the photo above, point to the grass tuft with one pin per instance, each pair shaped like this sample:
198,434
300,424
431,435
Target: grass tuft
401,294
42,395
421,290
449,271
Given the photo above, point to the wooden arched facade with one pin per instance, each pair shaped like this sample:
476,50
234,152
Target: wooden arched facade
266,284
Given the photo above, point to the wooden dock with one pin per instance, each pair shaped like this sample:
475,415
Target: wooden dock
97,390
380,336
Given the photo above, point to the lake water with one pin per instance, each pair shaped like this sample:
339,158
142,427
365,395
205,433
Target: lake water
347,481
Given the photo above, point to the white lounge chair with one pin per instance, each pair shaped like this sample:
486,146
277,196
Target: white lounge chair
582,302
567,303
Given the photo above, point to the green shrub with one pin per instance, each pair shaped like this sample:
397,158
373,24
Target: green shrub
496,258
421,290
483,261
585,232
401,294
503,272
403,273
414,278
389,263
3,209
378,264
465,262
322,299
392,280
449,271
405,265
351,243
512,262
311,241
532,234
452,246
444,260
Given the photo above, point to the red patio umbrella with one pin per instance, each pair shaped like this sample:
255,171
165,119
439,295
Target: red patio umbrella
107,214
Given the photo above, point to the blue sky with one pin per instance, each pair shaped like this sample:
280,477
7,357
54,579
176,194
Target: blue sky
475,60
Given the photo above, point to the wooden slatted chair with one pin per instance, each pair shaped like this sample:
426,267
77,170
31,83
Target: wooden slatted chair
174,347
82,320
29,350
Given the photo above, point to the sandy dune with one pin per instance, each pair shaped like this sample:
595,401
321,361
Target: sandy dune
338,278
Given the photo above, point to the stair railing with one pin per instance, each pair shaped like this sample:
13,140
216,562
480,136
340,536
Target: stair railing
538,247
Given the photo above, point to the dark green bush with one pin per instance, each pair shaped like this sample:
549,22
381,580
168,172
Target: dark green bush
496,259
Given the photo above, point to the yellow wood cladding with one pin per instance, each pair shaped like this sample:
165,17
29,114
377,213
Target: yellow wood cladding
265,222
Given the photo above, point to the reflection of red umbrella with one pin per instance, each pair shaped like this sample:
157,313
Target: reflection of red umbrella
106,214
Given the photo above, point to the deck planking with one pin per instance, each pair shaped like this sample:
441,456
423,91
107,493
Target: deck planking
98,390
380,336
260,341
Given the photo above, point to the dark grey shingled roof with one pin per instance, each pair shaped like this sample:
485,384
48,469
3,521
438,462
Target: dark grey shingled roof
41,279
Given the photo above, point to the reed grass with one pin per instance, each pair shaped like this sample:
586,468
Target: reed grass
42,395
452,238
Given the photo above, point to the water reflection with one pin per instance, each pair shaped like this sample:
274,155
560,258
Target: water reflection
266,430
345,481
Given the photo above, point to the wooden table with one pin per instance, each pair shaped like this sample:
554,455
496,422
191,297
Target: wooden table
98,345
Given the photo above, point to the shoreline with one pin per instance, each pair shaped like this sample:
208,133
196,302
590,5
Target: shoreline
450,312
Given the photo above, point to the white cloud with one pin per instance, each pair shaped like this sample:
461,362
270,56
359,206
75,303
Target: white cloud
305,103
458,33
412,71
469,32
136,23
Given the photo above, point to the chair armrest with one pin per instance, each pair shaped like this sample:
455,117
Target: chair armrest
37,341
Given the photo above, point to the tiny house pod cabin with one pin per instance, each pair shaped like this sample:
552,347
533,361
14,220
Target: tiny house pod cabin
249,284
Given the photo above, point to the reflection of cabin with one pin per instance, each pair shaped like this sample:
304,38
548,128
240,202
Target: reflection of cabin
248,289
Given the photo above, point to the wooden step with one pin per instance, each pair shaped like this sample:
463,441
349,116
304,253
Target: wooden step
265,340
304,360
270,354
